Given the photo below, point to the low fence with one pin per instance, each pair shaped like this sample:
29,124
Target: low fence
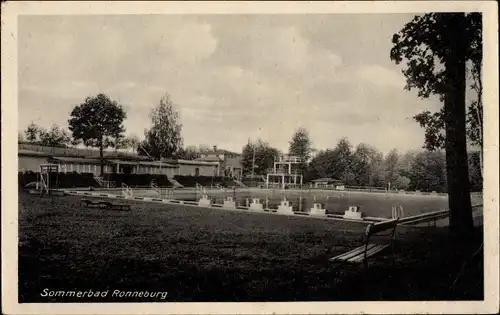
381,190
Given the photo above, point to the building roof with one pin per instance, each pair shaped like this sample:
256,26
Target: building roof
209,159
156,164
65,159
77,152
78,155
194,162
123,162
220,151
32,153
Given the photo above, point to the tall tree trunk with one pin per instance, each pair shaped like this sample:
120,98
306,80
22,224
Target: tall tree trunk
461,222
480,119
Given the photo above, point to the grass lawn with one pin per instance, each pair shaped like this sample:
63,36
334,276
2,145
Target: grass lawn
213,255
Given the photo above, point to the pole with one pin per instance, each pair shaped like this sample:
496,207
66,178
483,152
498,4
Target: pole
253,162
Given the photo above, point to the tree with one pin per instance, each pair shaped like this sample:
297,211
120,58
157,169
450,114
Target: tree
436,48
132,142
301,145
54,137
163,139
258,157
428,171
118,141
204,148
339,163
188,153
366,165
402,182
32,132
96,122
322,165
75,142
343,163
390,167
20,137
475,176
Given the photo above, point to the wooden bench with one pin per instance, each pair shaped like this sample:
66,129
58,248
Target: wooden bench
367,250
85,203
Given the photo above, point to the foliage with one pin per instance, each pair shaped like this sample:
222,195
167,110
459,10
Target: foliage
301,144
260,156
475,174
420,45
437,48
163,139
97,122
54,137
132,142
402,182
32,132
429,171
188,153
366,165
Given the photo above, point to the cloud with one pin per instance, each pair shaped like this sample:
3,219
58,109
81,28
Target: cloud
230,77
381,76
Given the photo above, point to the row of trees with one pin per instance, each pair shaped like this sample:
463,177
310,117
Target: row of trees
99,122
363,165
58,137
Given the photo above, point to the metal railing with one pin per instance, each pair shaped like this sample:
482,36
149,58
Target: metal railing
290,159
155,188
127,191
283,171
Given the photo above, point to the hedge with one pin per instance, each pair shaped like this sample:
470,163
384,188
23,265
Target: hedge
61,180
73,180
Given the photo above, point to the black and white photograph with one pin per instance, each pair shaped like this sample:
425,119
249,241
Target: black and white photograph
171,154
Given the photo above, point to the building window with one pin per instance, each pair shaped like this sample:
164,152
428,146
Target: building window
197,171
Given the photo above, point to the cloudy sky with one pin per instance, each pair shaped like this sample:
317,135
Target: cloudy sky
232,77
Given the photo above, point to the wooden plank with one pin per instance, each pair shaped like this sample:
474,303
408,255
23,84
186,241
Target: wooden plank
358,251
374,250
381,226
427,219
351,253
423,215
340,257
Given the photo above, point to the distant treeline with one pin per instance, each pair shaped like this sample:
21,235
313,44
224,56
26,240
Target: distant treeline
365,166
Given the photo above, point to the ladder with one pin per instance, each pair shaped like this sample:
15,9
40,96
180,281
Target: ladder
155,188
127,191
175,183
201,189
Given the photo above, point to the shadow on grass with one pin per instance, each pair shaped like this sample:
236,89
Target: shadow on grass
202,256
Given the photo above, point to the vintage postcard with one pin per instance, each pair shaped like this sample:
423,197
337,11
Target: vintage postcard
250,157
